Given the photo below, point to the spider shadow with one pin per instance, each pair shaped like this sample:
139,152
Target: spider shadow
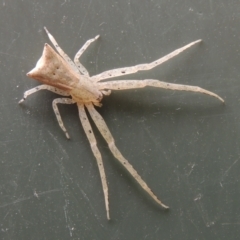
160,102
161,105
142,103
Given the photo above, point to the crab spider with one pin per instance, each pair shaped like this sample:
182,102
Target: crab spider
68,78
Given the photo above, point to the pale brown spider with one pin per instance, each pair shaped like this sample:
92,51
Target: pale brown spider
61,75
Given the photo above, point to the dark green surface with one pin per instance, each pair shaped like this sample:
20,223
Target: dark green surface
185,145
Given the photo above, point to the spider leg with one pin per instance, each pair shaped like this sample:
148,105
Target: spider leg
129,84
93,143
140,67
43,87
81,68
61,52
102,127
56,111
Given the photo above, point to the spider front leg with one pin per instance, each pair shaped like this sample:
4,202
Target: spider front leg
141,67
56,111
81,68
60,51
93,143
130,84
43,87
102,127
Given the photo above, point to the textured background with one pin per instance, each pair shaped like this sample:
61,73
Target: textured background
184,145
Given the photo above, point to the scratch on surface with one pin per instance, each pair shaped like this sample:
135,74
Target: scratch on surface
84,195
227,171
96,67
235,223
36,152
59,145
198,197
202,211
68,220
86,14
49,191
11,55
27,198
59,163
101,24
91,206
6,215
16,201
63,3
163,33
191,165
64,184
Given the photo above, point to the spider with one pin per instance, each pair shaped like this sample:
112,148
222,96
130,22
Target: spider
68,78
